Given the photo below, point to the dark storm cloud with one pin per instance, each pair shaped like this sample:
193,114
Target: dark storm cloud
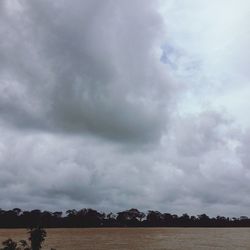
84,66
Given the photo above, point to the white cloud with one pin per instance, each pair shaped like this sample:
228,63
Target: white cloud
211,41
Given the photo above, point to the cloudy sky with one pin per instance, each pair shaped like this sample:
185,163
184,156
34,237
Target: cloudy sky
117,104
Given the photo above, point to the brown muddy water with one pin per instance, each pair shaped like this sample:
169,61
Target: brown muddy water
140,238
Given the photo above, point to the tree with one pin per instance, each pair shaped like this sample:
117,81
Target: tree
17,211
154,218
37,236
131,217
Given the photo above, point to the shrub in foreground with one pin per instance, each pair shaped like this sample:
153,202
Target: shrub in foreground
36,237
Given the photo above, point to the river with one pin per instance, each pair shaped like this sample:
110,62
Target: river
140,238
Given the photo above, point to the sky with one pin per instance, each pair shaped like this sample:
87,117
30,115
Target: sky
118,104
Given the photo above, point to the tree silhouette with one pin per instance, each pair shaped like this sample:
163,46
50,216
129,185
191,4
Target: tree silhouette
37,236
154,218
9,245
87,217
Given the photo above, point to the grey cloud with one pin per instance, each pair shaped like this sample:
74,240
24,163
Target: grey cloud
85,67
53,171
77,76
198,134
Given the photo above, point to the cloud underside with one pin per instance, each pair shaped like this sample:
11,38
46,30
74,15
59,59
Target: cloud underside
90,114
84,68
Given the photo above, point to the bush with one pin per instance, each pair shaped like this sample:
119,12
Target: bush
36,237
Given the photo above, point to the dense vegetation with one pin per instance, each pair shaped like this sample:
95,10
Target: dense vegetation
16,218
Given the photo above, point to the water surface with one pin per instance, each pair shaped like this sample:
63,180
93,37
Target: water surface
140,238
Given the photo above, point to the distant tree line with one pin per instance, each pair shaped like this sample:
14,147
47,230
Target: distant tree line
87,217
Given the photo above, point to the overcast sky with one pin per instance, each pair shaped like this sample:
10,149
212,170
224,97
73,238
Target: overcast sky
117,104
